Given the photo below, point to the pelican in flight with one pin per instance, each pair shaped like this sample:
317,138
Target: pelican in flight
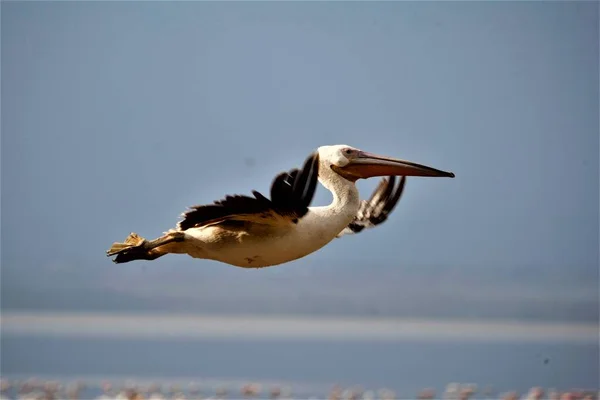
256,232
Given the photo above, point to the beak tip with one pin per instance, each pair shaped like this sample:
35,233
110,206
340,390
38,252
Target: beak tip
451,175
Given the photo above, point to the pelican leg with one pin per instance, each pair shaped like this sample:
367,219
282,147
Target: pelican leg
136,247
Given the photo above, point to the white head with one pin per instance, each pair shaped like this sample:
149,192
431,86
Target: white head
352,164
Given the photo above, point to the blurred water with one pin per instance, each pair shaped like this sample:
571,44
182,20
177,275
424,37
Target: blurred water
405,366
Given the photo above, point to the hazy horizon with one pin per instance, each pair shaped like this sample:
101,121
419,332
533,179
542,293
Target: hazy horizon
288,327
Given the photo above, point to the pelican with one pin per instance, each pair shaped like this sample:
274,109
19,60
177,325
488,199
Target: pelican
257,232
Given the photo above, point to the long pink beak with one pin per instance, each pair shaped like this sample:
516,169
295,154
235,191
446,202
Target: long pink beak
368,165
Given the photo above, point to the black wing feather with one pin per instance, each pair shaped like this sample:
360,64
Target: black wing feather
376,210
291,194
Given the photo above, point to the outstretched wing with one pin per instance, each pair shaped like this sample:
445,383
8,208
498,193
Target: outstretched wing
291,194
375,211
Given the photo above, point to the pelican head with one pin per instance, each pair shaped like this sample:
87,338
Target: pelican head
353,164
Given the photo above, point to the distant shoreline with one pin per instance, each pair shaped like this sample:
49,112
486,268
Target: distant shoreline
259,327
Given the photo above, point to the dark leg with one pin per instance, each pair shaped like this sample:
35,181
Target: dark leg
136,247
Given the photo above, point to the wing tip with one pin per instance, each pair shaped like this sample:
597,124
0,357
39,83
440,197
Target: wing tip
375,211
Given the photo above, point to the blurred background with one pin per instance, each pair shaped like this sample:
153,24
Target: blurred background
116,116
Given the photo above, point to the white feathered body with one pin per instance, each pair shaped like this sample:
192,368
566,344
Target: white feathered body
256,245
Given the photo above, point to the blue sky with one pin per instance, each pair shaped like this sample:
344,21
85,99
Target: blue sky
117,116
